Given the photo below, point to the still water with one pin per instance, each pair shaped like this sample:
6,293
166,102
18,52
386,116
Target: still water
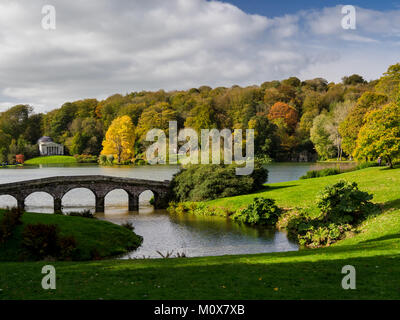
188,234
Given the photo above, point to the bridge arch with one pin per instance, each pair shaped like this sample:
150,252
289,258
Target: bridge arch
148,196
39,198
67,198
8,201
117,193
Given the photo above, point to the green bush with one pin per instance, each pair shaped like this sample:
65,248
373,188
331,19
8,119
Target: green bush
85,158
315,232
11,219
207,182
323,235
82,214
262,211
321,173
365,165
128,225
343,202
103,159
110,159
342,205
43,241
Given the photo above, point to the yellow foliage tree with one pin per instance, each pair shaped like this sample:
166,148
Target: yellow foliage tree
120,139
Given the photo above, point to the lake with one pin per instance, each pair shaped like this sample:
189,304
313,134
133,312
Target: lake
188,234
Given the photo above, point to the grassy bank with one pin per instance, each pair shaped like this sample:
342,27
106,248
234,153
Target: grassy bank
51,160
383,183
307,274
94,237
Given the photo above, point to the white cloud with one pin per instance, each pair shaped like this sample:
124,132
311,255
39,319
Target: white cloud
101,47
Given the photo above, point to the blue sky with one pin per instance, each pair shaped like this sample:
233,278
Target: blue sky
272,8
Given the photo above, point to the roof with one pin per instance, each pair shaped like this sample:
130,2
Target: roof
45,139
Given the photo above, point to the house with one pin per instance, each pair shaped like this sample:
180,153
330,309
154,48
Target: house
47,147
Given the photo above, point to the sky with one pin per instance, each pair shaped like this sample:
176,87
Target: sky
102,47
274,8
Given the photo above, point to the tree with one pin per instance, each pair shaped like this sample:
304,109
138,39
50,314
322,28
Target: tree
120,139
337,116
283,111
389,84
14,121
201,117
350,127
265,140
380,135
87,136
320,137
353,80
155,117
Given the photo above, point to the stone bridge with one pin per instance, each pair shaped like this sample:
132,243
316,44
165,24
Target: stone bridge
57,187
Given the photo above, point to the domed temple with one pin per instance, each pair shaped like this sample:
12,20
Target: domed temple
48,147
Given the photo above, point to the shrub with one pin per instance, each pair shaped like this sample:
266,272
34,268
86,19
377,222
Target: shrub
11,218
85,158
207,182
321,173
128,225
343,202
43,240
103,159
110,159
262,211
82,214
316,232
323,235
365,165
66,247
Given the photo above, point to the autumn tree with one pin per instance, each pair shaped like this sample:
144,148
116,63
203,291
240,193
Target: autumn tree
351,126
353,80
86,136
380,135
265,140
284,111
201,117
389,83
155,117
120,139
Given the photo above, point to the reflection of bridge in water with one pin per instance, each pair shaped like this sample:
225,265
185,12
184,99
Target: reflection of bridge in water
57,187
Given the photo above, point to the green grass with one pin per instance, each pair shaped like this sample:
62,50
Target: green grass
10,166
106,238
307,274
383,183
51,160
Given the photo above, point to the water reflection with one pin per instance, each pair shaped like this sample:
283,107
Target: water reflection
197,235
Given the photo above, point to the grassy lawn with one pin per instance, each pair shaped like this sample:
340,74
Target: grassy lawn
307,274
51,160
383,183
105,237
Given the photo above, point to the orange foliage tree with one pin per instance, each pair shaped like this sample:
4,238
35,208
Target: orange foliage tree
281,110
